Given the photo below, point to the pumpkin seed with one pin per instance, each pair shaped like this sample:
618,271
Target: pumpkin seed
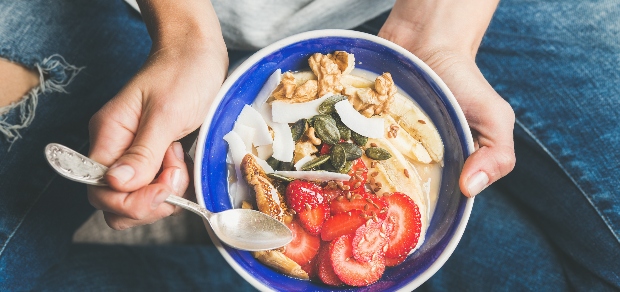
274,163
326,129
345,132
338,156
285,166
359,139
280,177
346,167
298,129
378,153
327,106
351,150
314,163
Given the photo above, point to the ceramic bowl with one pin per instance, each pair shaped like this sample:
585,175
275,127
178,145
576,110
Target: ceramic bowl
373,54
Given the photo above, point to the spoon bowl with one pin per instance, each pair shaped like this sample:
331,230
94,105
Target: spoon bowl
243,229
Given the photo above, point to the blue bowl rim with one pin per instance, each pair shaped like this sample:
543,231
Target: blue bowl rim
315,34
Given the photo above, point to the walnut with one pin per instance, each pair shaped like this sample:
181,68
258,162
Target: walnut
369,101
303,149
305,92
344,60
286,88
327,73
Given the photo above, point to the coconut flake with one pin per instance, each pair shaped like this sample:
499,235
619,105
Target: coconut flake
303,161
246,133
270,85
237,152
253,119
264,151
283,143
369,127
315,175
284,112
263,164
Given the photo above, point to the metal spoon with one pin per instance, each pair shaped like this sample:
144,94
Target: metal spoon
239,228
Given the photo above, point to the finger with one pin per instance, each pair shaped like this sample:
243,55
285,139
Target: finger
141,159
174,175
495,156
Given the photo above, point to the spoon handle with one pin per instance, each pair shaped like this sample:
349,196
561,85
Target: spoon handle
77,167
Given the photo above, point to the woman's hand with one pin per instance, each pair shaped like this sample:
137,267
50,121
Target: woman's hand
446,34
166,100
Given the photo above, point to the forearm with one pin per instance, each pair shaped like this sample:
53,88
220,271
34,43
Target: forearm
427,27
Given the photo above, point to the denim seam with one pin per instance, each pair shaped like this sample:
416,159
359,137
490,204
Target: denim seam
8,240
602,216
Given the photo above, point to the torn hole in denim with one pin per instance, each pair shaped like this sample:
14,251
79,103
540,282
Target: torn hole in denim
54,75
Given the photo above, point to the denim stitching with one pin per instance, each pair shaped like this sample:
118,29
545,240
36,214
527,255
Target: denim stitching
602,216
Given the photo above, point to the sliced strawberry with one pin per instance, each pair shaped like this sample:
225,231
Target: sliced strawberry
341,224
325,149
404,214
301,195
312,219
370,204
370,238
358,173
332,191
391,262
311,268
303,247
351,271
324,267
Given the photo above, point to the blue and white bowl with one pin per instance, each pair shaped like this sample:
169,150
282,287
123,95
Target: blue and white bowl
373,54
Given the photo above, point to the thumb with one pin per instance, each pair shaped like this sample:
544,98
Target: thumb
130,139
141,162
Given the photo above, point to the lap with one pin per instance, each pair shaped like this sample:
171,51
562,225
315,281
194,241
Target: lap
85,54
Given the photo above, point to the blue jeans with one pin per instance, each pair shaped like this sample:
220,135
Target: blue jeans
552,224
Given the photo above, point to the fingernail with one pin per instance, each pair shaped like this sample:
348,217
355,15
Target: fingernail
159,198
123,173
175,179
178,151
477,183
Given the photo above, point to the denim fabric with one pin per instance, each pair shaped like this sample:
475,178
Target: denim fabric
551,225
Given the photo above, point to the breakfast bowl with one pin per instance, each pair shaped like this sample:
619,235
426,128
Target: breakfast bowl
376,56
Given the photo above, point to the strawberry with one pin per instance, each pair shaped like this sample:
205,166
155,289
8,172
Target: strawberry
311,268
341,224
404,214
303,247
370,204
325,149
324,266
391,262
371,238
358,173
312,219
301,195
351,271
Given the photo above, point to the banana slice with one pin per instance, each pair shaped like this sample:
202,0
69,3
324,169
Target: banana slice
418,125
397,175
356,81
407,145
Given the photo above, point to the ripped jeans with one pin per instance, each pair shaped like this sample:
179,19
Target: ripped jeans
552,224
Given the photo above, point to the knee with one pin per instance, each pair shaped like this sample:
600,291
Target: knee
17,81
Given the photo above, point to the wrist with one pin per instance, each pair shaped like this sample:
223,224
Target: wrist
190,24
429,28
